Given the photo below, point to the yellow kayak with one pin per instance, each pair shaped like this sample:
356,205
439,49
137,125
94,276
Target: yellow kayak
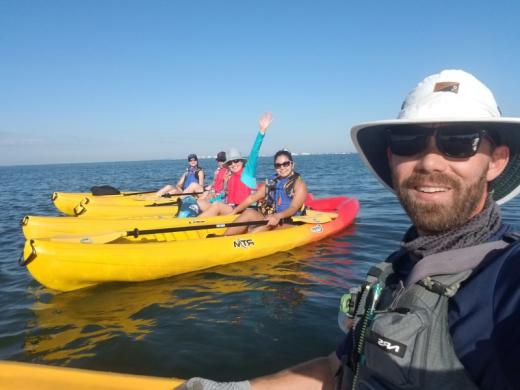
47,227
22,376
77,203
70,265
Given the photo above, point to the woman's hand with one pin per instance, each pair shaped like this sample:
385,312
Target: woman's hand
264,121
273,219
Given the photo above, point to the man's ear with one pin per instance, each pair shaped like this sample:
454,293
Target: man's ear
498,162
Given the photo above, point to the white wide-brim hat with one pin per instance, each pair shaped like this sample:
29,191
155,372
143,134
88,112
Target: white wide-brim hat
234,154
451,97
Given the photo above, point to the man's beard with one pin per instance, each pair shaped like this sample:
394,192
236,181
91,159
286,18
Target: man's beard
431,218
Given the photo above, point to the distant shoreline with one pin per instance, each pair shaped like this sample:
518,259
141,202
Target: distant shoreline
302,154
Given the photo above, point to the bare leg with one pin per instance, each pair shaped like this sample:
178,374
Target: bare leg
166,190
264,228
217,208
203,204
246,216
193,187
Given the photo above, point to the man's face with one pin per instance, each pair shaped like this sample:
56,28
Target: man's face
439,192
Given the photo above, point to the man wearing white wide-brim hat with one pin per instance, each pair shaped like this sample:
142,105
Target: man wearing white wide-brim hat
443,311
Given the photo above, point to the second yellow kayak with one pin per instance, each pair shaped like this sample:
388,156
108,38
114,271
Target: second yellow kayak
78,203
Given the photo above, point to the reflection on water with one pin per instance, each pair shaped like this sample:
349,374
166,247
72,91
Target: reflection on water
72,326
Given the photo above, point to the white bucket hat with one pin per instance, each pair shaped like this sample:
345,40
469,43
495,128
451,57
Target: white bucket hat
449,97
234,154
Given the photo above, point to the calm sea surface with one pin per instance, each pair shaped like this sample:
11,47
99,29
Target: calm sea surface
230,322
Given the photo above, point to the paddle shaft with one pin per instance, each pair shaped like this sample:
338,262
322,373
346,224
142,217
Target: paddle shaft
182,194
164,196
136,232
139,193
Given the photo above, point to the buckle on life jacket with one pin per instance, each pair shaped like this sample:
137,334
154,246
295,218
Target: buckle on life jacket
349,302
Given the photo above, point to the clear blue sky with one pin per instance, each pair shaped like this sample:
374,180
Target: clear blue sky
135,80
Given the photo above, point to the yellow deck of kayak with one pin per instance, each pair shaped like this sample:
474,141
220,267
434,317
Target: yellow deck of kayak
79,203
68,266
46,227
25,376
110,212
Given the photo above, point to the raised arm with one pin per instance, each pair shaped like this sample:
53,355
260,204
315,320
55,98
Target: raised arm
249,174
264,121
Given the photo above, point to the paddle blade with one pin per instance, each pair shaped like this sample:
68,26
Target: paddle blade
315,217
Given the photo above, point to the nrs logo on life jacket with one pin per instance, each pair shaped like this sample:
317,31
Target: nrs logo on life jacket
243,243
386,344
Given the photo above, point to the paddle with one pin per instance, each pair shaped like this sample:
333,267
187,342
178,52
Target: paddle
105,238
165,195
109,190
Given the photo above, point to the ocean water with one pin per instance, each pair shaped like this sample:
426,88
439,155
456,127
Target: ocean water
230,322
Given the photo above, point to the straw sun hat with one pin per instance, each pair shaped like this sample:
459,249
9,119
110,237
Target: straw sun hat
449,97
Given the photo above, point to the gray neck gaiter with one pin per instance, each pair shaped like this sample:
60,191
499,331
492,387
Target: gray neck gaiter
477,230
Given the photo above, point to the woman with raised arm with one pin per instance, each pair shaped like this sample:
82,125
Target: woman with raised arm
282,196
241,178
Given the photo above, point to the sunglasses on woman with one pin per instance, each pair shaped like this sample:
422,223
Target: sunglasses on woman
285,164
233,161
454,142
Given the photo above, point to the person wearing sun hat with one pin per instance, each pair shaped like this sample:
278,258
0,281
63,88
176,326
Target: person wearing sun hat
241,176
442,311
452,159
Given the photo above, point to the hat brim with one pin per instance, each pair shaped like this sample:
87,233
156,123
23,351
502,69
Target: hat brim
233,159
370,142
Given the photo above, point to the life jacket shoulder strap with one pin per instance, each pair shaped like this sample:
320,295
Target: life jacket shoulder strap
454,266
512,237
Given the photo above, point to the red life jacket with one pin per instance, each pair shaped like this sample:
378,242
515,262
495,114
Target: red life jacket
236,191
218,181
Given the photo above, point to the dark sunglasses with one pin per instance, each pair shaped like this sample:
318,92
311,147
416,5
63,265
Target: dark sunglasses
451,142
233,161
285,164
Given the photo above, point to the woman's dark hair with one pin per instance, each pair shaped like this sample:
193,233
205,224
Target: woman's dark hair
283,152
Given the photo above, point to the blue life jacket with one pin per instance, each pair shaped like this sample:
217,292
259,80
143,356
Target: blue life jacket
279,194
192,176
